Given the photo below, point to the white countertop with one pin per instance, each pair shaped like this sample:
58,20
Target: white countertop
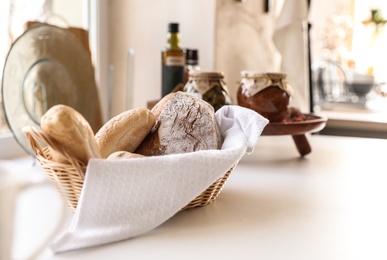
329,205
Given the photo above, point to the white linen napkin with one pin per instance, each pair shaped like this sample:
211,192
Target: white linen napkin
122,198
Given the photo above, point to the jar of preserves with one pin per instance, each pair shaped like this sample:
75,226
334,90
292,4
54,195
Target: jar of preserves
209,86
266,93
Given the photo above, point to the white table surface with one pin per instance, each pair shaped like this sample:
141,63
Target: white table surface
328,205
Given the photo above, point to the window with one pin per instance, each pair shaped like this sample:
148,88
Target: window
349,38
14,14
4,46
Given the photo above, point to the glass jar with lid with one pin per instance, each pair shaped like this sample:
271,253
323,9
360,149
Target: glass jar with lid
209,86
266,93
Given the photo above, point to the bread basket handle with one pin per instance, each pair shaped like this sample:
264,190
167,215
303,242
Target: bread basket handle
36,137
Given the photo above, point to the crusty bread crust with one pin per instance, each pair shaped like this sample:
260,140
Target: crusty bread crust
184,124
158,108
71,130
125,131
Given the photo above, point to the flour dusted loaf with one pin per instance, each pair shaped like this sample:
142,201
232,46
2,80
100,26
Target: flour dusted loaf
184,123
72,131
125,131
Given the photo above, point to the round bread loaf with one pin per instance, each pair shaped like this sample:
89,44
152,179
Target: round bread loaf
125,131
184,123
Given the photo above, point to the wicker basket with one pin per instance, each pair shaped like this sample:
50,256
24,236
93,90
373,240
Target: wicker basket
69,177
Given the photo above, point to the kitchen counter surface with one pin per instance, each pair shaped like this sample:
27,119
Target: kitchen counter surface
331,204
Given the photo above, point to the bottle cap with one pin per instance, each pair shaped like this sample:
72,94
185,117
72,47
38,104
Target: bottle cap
173,27
192,56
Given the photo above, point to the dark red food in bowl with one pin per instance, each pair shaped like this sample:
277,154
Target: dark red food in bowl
271,102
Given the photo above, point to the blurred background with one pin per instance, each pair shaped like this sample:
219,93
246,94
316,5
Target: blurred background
331,51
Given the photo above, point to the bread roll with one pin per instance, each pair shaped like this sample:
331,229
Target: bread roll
125,131
184,124
124,155
71,130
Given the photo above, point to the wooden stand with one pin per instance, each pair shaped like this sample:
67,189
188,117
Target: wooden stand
298,131
302,144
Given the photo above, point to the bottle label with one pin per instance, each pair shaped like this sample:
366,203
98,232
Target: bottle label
175,61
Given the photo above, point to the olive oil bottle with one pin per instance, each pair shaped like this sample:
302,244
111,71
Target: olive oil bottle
172,62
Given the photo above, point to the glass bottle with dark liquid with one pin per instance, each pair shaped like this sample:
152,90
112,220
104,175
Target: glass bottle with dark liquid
173,62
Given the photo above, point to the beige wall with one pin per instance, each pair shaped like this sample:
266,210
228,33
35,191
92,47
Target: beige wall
230,36
73,11
134,24
244,40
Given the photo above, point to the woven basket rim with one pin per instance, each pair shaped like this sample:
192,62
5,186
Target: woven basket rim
69,177
35,134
